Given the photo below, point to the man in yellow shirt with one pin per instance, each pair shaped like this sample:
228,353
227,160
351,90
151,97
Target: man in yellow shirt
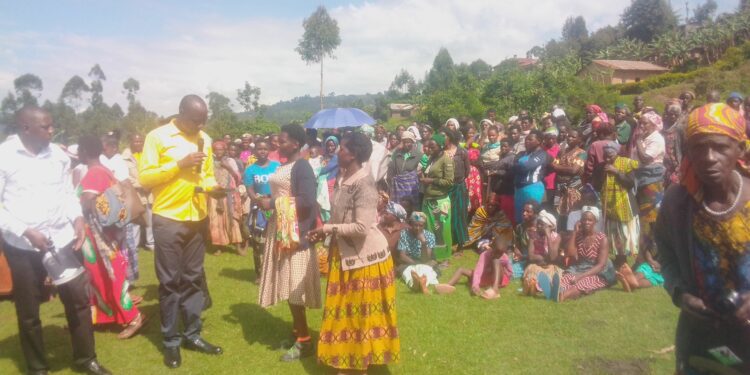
175,165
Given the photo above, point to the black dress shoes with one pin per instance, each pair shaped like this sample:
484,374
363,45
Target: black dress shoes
200,345
172,357
93,367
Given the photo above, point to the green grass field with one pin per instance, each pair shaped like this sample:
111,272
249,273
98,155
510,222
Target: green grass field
610,332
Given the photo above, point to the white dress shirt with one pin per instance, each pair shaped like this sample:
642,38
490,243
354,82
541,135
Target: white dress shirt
35,192
117,165
378,163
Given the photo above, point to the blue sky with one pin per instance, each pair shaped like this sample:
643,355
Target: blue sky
179,47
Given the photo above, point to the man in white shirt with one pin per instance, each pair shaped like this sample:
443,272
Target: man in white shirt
38,212
112,159
378,162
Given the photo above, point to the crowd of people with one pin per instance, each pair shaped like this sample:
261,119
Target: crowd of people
567,209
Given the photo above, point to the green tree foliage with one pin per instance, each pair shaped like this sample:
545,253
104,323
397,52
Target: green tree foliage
97,85
73,92
248,97
443,72
28,88
218,105
574,30
131,87
320,39
705,12
645,20
402,85
480,69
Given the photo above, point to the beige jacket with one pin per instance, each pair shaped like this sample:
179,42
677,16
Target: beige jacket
355,224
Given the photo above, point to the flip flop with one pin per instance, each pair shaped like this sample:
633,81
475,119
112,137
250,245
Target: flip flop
490,294
545,285
555,289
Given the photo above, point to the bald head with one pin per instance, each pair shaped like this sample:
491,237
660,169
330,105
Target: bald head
193,114
192,103
34,127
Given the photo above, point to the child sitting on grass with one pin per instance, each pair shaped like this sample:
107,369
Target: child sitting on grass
492,271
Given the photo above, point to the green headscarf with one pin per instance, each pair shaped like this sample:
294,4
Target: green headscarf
439,138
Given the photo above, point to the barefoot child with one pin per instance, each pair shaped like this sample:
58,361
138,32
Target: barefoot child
415,259
493,270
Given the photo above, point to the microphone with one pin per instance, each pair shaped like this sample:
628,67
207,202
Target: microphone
200,149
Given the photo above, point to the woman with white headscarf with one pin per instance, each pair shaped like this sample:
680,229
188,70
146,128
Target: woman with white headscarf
544,252
590,269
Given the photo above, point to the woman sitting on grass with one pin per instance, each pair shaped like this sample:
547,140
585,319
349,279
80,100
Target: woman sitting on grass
391,224
488,220
523,234
492,271
591,268
544,252
415,255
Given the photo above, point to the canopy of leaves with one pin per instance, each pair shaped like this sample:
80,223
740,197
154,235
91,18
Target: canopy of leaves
321,37
647,19
705,12
574,29
248,97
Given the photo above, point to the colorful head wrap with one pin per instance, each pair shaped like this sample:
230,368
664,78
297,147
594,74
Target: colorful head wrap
598,111
552,130
716,118
593,210
439,139
712,118
621,106
418,217
653,118
547,218
396,210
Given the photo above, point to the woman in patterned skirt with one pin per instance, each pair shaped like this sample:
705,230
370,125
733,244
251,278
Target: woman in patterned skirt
591,268
290,267
105,263
352,339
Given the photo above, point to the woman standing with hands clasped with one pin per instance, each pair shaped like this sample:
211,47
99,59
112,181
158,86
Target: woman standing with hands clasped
361,271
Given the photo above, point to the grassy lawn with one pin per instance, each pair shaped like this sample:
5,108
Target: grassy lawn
610,332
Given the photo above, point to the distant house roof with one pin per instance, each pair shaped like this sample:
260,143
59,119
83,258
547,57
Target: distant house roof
524,62
630,65
401,107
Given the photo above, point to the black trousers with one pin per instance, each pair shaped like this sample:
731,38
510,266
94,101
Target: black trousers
180,249
28,283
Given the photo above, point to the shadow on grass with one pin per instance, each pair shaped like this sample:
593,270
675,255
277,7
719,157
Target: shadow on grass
56,344
260,326
241,274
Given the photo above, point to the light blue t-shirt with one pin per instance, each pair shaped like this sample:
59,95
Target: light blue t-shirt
257,177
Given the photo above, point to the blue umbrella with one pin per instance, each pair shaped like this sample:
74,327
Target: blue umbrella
339,118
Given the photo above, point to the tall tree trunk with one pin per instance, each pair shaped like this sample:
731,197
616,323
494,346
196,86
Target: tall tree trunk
321,83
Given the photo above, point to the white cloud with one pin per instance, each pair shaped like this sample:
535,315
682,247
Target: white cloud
378,40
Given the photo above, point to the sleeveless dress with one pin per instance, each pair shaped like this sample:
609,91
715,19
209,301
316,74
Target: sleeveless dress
290,275
587,257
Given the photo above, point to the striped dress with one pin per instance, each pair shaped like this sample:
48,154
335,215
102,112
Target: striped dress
587,257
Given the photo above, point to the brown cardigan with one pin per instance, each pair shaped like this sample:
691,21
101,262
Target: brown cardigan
354,220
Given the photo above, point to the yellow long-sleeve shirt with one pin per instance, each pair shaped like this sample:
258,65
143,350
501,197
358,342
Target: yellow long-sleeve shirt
174,188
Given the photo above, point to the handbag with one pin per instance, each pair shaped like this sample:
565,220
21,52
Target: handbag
6,282
119,205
